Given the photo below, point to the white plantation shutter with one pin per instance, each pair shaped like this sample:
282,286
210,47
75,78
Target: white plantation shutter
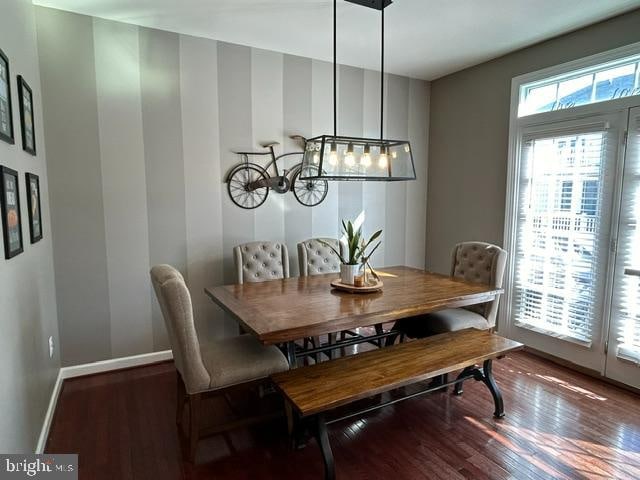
626,303
563,229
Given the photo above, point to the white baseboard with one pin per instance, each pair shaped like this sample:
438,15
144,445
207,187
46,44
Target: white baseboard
115,364
90,369
48,417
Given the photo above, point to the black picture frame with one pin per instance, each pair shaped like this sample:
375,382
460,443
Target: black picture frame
10,209
34,205
27,123
6,108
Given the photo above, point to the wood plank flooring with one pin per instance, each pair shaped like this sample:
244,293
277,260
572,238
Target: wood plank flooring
559,424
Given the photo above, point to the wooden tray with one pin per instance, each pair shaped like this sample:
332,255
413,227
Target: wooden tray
373,286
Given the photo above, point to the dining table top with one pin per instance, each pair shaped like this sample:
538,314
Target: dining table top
280,311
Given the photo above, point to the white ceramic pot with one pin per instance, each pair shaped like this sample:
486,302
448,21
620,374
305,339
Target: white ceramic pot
347,272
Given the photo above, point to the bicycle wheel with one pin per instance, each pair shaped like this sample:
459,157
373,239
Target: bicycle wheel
309,192
241,191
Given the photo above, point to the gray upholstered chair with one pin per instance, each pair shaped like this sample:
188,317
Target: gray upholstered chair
261,261
213,366
475,262
316,258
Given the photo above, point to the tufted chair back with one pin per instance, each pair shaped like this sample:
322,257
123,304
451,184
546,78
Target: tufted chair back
175,303
261,261
316,258
481,263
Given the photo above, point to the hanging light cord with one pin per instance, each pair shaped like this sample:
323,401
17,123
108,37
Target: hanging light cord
335,94
382,77
335,74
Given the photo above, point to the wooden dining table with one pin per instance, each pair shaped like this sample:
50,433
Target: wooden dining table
280,312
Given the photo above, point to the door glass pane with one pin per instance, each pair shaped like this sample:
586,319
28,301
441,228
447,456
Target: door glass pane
562,236
626,299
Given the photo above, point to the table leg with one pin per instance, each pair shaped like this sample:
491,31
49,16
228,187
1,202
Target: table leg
291,354
332,339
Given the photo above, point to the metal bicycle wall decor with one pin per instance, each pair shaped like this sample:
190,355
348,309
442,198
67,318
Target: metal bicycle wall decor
248,183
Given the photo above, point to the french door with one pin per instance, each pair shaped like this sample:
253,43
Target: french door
623,347
562,254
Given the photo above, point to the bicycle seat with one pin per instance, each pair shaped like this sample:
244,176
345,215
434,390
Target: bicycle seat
268,144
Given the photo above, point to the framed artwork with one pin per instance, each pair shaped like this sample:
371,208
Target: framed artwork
6,113
33,202
10,202
25,95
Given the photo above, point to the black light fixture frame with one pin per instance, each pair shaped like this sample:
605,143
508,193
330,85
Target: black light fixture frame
385,145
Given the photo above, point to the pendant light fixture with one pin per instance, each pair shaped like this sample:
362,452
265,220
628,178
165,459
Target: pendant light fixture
333,157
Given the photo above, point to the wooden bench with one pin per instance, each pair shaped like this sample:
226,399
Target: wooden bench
312,391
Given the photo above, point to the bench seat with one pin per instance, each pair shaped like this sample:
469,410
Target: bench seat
311,391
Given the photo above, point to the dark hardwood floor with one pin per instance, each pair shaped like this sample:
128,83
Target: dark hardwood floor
559,424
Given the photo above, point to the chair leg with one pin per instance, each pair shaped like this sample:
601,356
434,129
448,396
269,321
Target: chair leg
194,420
180,400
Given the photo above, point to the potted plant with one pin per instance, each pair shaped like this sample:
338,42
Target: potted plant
355,251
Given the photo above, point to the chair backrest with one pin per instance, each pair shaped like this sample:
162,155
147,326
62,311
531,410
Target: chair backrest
175,303
261,261
316,258
480,262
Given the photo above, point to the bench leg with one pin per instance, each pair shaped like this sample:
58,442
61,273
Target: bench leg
322,437
490,382
439,380
457,389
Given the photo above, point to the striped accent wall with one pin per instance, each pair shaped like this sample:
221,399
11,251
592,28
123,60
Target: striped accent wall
137,168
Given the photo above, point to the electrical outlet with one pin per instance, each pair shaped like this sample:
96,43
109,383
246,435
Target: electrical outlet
50,347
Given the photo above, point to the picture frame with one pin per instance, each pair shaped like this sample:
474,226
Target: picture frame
34,205
25,97
6,109
10,210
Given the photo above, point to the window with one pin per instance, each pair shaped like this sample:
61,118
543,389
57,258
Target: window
599,83
566,192
557,288
590,197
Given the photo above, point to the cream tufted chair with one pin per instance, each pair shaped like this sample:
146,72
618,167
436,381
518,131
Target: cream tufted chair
316,258
261,261
475,262
210,367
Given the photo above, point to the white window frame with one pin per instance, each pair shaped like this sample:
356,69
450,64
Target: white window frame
506,324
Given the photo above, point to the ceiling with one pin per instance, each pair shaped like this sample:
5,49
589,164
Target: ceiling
424,38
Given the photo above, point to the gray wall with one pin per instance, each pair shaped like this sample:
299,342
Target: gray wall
469,135
137,168
27,291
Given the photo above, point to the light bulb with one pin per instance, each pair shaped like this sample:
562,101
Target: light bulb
383,160
407,148
333,155
316,158
365,161
394,154
349,159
